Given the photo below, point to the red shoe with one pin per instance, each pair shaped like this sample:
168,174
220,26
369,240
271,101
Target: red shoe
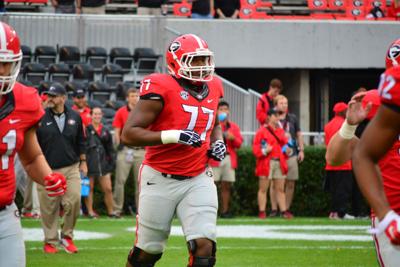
28,215
69,245
262,215
287,215
50,248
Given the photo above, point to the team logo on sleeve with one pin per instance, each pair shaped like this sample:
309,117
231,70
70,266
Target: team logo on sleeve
184,95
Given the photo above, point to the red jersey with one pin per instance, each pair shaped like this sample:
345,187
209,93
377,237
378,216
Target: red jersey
20,112
330,129
85,115
389,89
121,116
181,111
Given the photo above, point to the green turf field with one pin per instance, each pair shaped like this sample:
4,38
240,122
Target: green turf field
274,242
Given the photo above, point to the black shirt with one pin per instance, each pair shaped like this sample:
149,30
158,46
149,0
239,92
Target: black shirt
201,7
151,3
227,7
93,3
61,149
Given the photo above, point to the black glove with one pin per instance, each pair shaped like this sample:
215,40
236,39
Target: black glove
189,137
218,150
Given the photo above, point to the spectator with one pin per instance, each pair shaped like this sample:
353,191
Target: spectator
224,171
227,9
92,6
338,179
289,123
65,6
266,101
61,138
271,150
152,7
100,156
81,106
393,10
128,158
202,9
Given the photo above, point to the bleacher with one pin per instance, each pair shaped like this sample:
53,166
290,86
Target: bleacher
250,9
104,76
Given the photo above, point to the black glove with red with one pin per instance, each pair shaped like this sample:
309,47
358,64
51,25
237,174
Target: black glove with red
55,184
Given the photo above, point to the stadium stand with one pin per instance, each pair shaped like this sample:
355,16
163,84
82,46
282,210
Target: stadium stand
83,72
112,74
69,55
100,91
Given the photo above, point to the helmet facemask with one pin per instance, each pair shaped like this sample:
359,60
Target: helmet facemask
7,81
191,72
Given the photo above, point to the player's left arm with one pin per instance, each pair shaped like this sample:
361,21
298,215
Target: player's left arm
376,140
37,168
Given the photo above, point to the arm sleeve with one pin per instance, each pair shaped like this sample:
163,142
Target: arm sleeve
261,110
81,136
237,142
257,144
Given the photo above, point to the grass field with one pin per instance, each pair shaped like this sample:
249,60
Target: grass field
262,243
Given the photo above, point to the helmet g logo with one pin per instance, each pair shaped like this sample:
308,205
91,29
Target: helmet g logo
394,52
174,46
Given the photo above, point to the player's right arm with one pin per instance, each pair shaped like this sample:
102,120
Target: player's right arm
135,132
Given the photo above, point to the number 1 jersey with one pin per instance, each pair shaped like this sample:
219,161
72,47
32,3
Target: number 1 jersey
21,111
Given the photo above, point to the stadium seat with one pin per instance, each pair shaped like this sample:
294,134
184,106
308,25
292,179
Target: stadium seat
123,57
100,91
26,82
34,72
59,72
70,55
94,103
26,54
108,116
183,9
121,89
72,86
145,62
45,55
43,86
112,74
83,72
97,57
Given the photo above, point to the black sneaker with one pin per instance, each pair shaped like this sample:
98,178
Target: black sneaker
226,215
273,213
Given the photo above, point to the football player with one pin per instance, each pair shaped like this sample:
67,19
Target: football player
20,111
176,119
379,146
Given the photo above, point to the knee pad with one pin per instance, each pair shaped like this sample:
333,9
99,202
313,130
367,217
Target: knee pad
201,261
138,258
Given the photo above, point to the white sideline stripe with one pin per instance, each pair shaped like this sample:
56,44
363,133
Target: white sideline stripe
261,247
272,232
36,234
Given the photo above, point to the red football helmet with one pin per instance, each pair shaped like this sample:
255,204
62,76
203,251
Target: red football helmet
10,51
181,53
393,54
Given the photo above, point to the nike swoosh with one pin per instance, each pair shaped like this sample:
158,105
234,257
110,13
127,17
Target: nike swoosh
148,183
48,123
11,121
210,100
